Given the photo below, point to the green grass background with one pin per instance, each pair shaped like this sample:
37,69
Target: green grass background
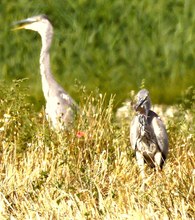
113,46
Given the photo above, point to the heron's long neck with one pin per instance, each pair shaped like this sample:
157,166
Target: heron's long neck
47,77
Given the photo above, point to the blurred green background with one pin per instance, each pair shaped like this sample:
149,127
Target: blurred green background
113,46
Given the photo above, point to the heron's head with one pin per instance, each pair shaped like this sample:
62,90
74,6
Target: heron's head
143,104
39,23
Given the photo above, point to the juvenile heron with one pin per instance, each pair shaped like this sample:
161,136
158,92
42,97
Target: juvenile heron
60,107
148,135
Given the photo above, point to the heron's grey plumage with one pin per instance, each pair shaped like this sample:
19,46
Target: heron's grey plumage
60,107
148,134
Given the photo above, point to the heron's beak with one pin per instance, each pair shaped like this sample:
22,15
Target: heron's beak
139,104
22,24
18,28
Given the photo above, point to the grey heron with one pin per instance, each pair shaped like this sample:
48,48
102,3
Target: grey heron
148,135
60,107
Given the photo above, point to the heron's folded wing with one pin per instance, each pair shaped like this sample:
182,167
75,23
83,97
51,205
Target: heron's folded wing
161,135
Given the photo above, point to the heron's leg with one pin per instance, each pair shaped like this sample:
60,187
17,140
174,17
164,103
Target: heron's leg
140,162
158,160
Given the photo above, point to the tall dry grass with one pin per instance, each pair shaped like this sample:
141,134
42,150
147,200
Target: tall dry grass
60,175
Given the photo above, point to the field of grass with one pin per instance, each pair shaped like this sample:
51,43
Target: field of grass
58,175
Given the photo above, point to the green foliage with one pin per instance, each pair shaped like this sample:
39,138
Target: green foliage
17,120
110,45
188,99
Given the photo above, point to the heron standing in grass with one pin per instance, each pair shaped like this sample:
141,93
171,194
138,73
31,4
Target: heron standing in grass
60,107
148,135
